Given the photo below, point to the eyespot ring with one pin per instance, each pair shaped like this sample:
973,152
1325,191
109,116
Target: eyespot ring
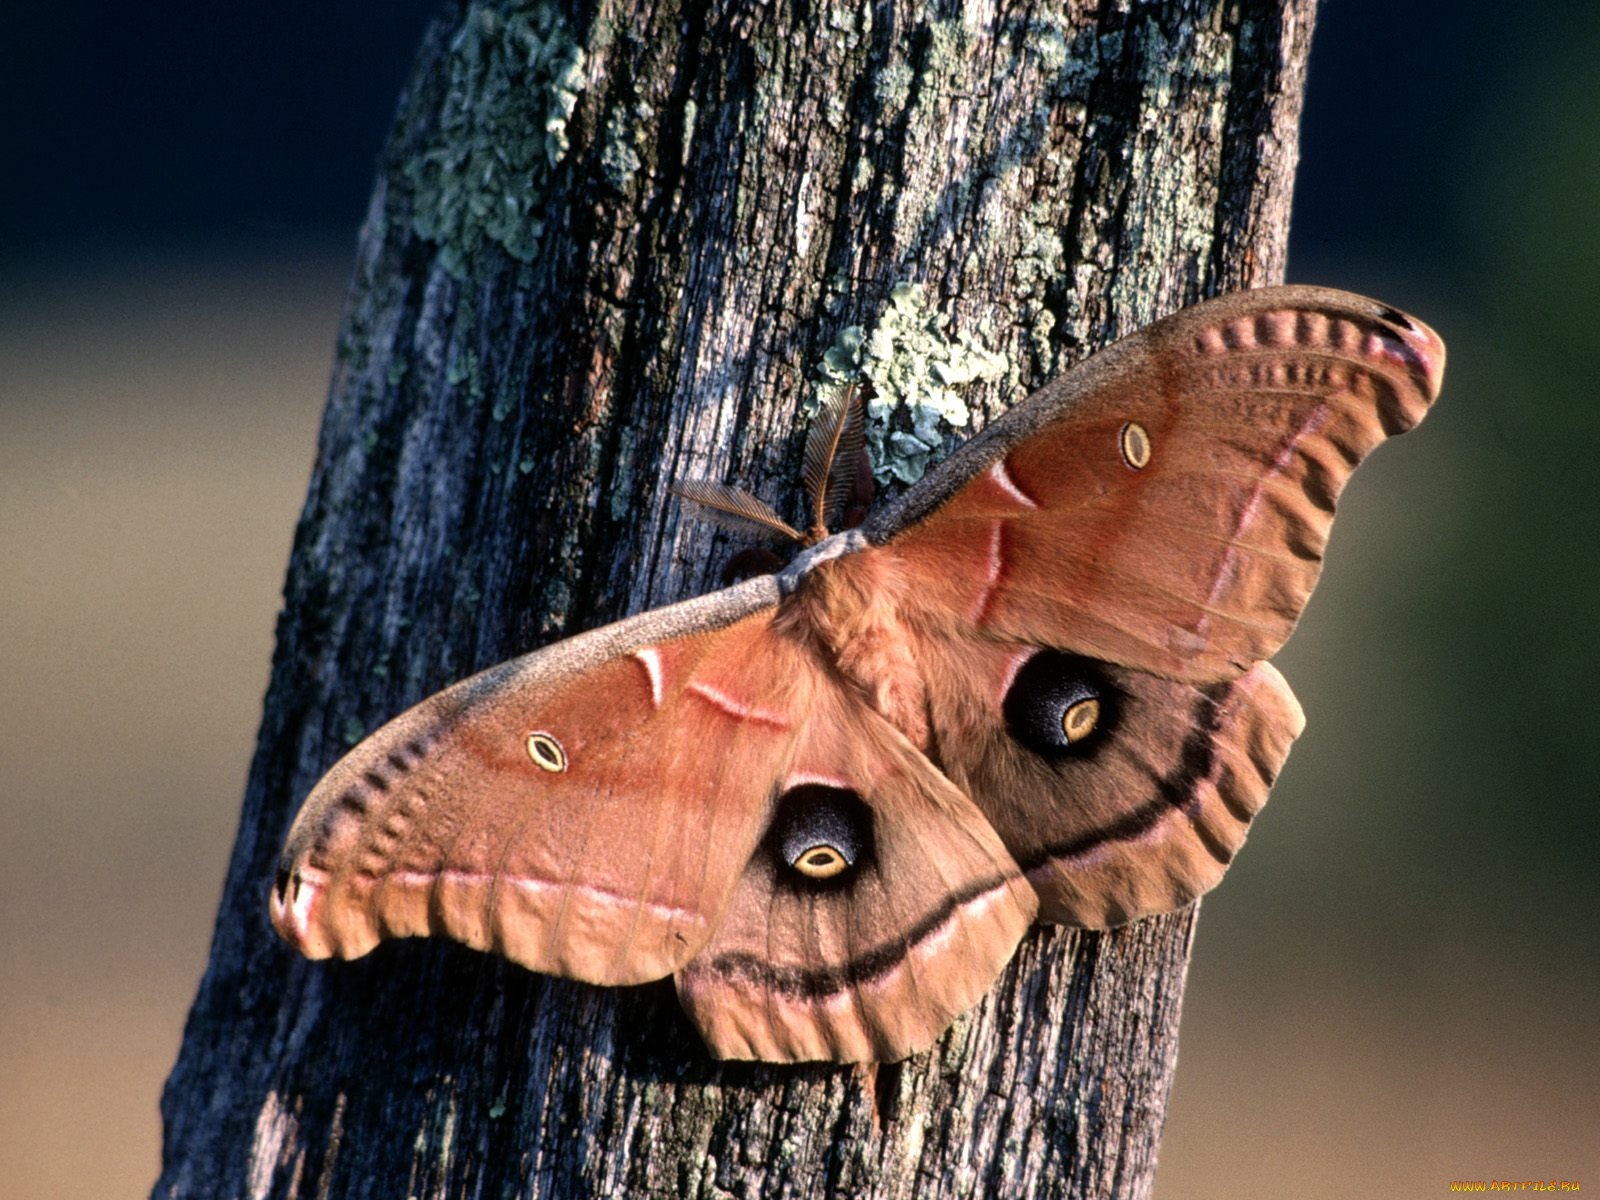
1061,704
1134,442
546,752
1080,719
821,861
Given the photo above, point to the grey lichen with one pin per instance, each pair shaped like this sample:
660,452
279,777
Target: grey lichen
514,78
1037,270
691,113
1046,40
620,158
892,87
461,368
862,178
916,370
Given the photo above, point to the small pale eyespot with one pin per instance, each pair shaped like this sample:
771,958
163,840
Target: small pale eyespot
546,752
1135,443
1079,720
820,862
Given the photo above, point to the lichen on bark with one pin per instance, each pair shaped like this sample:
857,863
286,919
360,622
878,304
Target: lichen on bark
916,369
514,76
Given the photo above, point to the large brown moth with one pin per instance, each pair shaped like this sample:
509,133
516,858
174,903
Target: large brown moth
829,801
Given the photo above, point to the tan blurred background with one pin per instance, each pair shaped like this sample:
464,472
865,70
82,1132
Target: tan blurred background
1395,988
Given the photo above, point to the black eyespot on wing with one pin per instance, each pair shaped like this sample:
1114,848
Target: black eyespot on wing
1061,705
820,834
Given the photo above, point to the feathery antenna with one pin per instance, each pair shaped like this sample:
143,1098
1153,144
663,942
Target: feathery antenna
833,447
727,502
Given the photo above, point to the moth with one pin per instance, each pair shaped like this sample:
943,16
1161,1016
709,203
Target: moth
830,801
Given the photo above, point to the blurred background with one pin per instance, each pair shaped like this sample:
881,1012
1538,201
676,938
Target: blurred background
1396,987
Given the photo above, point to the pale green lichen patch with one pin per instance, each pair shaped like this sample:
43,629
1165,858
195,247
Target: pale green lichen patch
1068,54
555,601
620,158
948,43
514,78
1038,267
1046,40
892,87
691,113
917,370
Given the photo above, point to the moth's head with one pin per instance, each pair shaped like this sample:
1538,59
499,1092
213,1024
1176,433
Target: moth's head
838,483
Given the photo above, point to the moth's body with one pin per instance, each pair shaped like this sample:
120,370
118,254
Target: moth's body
831,800
850,611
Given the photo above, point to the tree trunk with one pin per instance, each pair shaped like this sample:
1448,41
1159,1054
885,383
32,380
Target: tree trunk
608,248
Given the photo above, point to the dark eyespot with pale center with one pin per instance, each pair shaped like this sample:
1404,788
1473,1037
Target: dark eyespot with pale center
546,752
1060,704
820,833
1134,442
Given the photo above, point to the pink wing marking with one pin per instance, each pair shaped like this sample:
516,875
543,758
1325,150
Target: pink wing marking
1009,676
307,888
1001,478
744,712
1193,638
538,887
814,779
994,567
650,659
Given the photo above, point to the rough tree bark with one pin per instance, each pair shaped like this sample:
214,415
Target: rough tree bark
608,246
